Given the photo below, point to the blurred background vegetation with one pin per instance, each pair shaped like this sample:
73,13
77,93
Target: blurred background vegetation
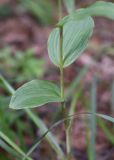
24,29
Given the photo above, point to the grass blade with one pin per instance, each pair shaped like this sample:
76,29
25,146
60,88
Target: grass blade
41,9
74,101
49,137
73,104
13,145
106,117
106,131
93,98
85,114
76,82
7,148
6,84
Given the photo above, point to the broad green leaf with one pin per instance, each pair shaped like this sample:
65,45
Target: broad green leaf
35,93
38,122
99,8
76,35
70,5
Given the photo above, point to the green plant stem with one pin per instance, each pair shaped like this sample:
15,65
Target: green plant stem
64,113
71,112
62,73
61,63
68,142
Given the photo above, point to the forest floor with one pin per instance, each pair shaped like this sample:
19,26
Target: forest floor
21,32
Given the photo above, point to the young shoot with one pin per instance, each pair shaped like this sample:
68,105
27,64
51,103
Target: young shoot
66,43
